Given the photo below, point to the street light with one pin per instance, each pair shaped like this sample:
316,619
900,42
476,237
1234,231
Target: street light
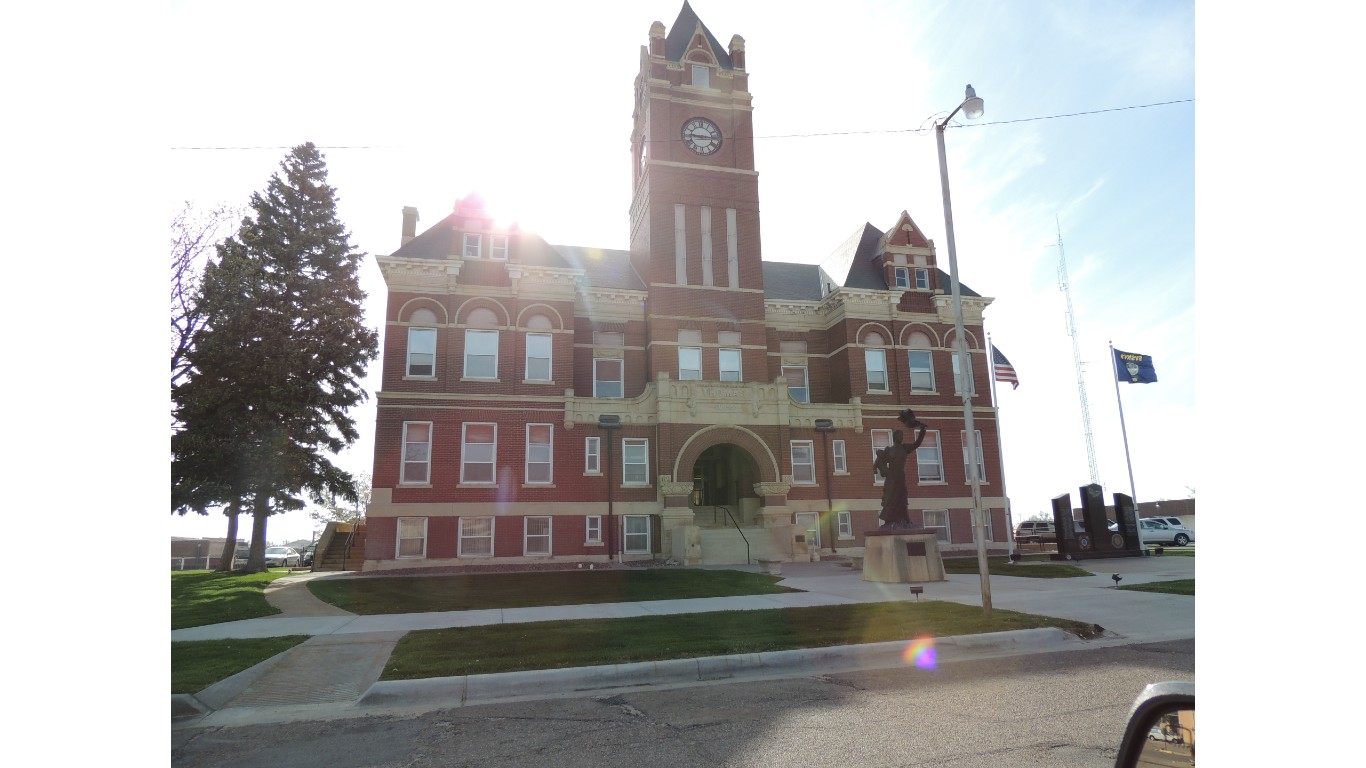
608,424
972,108
825,427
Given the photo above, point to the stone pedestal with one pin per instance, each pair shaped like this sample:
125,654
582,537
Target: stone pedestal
901,558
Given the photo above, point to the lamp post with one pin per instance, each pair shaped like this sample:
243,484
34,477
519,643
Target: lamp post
825,427
972,108
609,424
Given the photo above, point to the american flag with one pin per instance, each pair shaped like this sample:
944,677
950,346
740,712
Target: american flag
1004,371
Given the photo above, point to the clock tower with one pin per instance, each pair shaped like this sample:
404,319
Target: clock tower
695,206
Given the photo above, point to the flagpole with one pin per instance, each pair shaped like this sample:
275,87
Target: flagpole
1114,367
1000,454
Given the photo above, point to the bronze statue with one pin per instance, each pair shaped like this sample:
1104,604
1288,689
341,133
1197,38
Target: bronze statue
891,462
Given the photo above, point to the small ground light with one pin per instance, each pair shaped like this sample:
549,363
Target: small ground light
1116,577
917,592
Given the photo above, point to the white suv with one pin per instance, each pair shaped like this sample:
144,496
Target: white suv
1156,530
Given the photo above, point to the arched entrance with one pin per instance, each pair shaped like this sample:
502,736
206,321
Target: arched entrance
723,478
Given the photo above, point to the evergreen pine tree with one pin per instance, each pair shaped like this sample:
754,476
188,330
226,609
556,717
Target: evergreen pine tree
277,367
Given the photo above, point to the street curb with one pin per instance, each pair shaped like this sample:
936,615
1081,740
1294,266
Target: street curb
538,684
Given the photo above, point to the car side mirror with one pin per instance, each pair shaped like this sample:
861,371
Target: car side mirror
1161,727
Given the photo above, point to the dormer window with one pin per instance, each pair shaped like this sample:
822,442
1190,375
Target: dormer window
922,279
701,76
474,245
498,247
901,277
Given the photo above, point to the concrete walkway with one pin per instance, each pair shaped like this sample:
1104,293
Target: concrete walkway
336,672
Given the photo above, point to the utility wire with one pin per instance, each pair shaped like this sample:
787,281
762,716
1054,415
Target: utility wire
921,130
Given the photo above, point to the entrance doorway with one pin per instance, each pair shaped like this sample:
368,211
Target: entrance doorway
723,480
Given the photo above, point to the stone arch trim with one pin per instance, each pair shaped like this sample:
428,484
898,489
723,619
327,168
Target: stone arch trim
888,338
541,309
951,341
463,311
909,328
423,302
741,438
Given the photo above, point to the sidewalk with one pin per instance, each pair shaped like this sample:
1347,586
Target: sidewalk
336,672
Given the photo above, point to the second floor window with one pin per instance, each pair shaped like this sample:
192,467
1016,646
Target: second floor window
689,364
478,449
421,352
875,363
840,461
803,463
481,354
922,370
538,356
730,364
635,461
417,452
539,453
929,459
607,378
796,383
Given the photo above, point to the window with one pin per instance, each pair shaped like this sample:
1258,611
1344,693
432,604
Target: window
479,446
796,383
803,463
536,535
882,438
417,452
476,537
481,354
986,524
840,461
539,459
607,377
929,459
689,364
958,378
635,461
938,521
922,370
421,352
498,247
637,538
592,452
730,364
846,524
473,246
922,279
981,464
412,537
901,277
538,356
592,529
701,76
875,363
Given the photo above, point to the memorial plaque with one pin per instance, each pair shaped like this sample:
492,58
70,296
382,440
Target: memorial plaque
915,548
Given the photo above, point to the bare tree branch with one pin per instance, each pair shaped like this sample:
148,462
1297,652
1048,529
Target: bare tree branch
194,236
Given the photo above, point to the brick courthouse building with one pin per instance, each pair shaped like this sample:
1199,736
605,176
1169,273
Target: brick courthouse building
502,352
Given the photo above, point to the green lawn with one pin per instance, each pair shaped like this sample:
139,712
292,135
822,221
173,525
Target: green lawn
1175,587
208,597
1030,566
198,664
558,644
467,592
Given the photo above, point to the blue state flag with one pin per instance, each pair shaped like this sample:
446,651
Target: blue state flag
1134,369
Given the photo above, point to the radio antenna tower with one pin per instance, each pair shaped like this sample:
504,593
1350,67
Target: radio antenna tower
1076,355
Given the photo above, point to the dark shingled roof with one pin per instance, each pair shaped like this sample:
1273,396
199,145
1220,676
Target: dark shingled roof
680,36
605,268
800,282
855,264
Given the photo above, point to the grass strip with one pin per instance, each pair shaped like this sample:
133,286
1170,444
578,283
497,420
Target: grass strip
577,643
209,597
198,664
1176,587
1030,566
466,592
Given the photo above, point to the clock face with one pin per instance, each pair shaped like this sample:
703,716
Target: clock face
701,136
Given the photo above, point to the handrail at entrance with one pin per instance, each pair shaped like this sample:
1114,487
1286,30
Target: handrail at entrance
737,529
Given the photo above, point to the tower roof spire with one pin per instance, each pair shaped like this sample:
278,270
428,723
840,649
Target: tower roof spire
681,35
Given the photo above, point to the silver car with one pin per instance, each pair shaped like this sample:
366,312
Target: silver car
277,557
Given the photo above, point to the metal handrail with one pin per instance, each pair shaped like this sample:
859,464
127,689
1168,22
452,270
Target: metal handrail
350,537
737,528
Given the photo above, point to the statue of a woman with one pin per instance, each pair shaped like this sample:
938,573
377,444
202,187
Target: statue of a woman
891,462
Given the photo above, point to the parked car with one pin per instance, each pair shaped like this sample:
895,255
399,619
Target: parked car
1154,531
1038,531
277,557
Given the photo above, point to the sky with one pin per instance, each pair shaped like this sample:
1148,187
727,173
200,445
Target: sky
419,104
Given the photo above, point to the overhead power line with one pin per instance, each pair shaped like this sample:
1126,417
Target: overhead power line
921,130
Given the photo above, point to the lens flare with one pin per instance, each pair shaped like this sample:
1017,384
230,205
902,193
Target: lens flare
921,652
